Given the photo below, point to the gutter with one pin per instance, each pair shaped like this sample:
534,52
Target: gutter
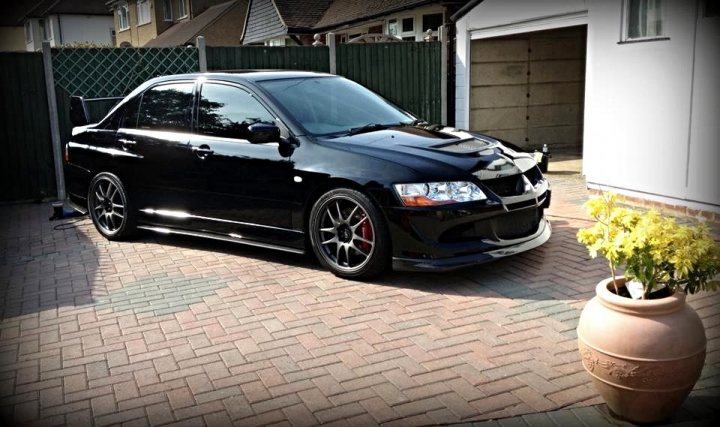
464,10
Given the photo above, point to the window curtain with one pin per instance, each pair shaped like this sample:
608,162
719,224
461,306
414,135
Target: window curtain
644,18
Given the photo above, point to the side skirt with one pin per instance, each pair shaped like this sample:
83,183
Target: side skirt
234,238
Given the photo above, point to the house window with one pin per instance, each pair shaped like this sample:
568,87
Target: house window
393,27
48,30
432,21
182,10
43,30
408,25
167,10
123,16
643,19
143,11
28,32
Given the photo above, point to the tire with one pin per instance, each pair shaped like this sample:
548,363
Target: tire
348,234
110,207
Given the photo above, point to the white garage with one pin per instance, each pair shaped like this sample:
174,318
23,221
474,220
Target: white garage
629,83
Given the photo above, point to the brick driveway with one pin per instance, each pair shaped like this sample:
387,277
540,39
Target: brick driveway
176,330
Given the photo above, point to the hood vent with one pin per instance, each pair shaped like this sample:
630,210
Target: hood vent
513,185
464,146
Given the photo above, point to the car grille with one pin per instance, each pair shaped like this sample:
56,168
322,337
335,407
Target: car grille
512,225
517,224
513,185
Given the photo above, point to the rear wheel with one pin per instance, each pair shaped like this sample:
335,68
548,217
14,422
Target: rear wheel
348,234
109,207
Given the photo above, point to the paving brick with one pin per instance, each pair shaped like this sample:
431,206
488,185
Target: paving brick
177,331
103,405
180,398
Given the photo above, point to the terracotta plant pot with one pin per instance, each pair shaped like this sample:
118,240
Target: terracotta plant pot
644,356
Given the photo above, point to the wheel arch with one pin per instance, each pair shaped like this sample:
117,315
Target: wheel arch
333,183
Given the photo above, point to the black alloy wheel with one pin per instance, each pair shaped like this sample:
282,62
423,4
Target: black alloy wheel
348,234
110,208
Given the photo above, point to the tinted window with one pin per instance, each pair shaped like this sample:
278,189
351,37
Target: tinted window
129,113
227,111
327,105
166,107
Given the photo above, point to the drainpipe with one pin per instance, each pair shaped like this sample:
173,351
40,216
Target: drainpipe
451,48
60,35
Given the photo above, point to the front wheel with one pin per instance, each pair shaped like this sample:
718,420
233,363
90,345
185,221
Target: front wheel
110,208
348,234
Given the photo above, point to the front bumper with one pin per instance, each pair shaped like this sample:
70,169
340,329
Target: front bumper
503,249
446,238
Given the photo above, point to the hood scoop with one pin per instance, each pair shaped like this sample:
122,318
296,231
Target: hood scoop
464,146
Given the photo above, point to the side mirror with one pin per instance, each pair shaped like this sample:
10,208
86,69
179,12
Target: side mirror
262,133
78,111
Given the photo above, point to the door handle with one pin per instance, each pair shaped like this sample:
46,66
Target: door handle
202,151
127,141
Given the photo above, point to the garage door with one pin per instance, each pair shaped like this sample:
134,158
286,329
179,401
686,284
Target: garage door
528,89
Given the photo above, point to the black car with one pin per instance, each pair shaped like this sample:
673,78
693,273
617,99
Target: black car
300,160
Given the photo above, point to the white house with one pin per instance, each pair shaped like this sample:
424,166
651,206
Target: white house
61,22
631,84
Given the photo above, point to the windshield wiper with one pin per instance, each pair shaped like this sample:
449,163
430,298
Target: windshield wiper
370,127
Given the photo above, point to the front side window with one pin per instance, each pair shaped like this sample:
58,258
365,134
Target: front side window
123,16
227,111
166,107
143,11
333,105
644,19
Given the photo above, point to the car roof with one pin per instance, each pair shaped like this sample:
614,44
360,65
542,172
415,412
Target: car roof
247,75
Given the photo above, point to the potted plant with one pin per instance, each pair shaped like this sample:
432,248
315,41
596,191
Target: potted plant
645,353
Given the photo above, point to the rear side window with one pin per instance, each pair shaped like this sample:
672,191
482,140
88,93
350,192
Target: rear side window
166,107
227,111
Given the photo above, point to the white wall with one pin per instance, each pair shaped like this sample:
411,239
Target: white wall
86,28
652,109
66,29
637,111
703,171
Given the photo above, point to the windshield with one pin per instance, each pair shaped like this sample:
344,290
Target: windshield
332,105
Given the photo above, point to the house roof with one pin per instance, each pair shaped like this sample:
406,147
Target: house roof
13,13
302,13
346,11
44,8
267,19
185,32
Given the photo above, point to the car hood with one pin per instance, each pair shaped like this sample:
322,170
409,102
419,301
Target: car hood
438,153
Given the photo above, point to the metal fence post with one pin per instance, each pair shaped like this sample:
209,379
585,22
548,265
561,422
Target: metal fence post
444,46
54,123
330,42
202,54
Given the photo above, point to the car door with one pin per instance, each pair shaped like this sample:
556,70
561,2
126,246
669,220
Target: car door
156,129
247,187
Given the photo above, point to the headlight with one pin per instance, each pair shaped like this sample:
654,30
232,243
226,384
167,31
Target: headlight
438,193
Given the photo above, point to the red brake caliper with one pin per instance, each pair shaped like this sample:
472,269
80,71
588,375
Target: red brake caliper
366,233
